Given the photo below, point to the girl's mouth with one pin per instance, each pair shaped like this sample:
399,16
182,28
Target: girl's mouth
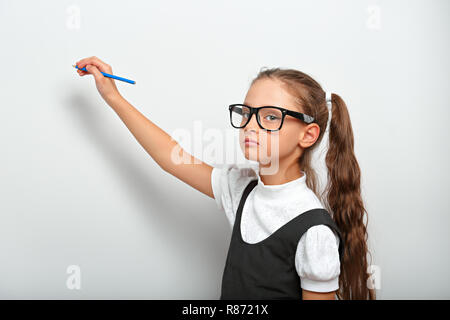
250,142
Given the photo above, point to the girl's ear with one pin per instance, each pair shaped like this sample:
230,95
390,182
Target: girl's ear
309,135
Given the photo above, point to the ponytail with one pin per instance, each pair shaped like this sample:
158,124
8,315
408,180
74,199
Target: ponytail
346,205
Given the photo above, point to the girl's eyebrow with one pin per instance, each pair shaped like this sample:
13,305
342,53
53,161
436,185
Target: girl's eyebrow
265,105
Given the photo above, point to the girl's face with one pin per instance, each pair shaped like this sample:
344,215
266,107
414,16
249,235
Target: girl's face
276,146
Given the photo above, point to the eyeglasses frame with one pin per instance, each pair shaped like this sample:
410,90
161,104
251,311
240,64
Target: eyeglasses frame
304,117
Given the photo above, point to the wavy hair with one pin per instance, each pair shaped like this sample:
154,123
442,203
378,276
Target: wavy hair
342,194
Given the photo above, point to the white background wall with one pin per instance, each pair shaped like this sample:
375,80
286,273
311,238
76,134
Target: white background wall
76,188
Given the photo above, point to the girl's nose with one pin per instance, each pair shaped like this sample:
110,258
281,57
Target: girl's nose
252,124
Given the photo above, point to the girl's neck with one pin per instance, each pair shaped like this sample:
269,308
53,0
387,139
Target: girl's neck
282,175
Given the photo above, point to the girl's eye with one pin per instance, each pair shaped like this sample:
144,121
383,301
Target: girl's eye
271,117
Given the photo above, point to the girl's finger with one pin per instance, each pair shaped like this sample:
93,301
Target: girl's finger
102,66
95,72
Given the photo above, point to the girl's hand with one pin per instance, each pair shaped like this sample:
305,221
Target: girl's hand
105,86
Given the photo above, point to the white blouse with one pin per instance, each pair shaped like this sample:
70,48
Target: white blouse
267,208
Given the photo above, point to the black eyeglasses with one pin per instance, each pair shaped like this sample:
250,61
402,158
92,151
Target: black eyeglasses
269,118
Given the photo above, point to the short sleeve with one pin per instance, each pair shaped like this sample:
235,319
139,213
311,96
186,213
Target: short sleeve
216,177
317,259
228,183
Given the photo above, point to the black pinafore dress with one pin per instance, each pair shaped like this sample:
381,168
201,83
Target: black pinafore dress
266,269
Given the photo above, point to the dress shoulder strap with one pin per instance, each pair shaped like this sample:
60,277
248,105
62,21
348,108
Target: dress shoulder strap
245,194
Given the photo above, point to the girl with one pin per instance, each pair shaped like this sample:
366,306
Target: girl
285,244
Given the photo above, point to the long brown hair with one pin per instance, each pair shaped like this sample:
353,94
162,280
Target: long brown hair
342,194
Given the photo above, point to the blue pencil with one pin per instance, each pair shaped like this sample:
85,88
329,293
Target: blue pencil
108,75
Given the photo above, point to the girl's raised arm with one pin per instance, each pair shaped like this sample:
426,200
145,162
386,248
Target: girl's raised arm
158,144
